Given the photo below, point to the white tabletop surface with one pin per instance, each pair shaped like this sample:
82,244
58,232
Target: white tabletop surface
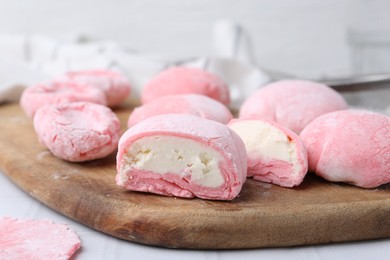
15,202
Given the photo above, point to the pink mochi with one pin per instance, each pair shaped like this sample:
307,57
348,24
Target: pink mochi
183,80
191,157
275,154
292,103
350,146
115,85
58,92
36,239
193,104
79,131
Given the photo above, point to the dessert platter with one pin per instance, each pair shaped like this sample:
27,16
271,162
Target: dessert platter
173,172
263,215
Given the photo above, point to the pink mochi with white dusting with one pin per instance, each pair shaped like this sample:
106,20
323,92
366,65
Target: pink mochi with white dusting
292,103
79,131
275,154
193,104
36,239
184,156
350,146
114,84
58,92
184,80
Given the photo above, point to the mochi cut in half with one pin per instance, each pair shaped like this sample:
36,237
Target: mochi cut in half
182,155
275,154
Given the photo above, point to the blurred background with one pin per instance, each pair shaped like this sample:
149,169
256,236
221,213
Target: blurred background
307,38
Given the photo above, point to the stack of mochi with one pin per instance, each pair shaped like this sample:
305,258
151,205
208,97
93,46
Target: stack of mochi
71,113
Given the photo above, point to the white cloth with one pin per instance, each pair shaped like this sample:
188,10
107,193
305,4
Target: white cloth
25,60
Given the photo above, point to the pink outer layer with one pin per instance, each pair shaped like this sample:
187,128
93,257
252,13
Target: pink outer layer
193,104
292,103
78,131
182,80
58,92
350,146
36,239
115,86
268,169
209,133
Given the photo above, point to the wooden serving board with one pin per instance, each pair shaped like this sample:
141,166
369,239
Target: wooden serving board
264,215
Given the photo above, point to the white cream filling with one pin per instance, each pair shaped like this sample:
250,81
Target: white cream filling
175,155
262,140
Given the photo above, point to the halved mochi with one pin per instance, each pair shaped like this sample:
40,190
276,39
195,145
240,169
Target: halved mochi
275,154
36,239
182,155
193,104
79,131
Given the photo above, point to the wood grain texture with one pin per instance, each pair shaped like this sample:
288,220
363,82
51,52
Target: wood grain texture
264,215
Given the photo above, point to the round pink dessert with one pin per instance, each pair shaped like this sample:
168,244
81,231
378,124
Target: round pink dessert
115,85
275,154
350,146
292,103
183,80
58,92
36,239
182,155
79,131
193,104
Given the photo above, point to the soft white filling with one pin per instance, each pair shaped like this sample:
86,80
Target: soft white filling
176,155
264,141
